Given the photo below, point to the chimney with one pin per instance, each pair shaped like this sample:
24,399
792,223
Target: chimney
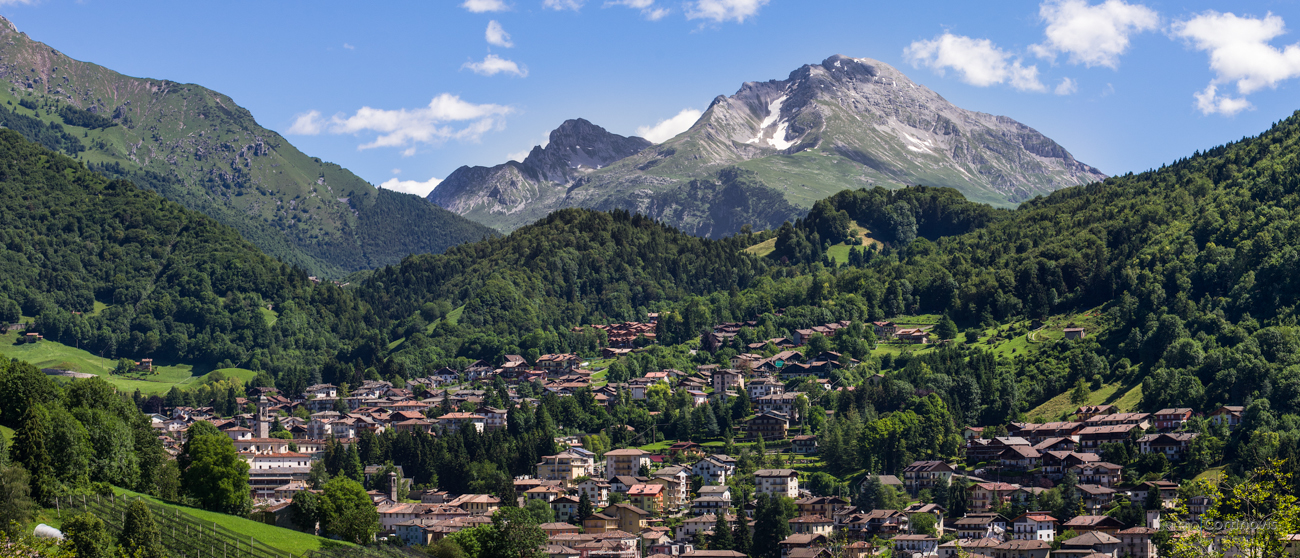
392,486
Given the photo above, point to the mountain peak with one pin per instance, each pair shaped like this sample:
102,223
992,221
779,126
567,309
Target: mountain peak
842,123
576,147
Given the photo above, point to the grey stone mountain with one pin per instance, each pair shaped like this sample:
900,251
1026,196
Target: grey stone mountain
576,148
844,123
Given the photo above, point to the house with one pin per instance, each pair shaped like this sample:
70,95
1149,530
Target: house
565,508
1168,491
1228,414
544,493
597,523
979,450
804,444
981,525
782,482
1096,498
715,469
1093,437
933,509
693,528
676,484
453,422
875,522
916,336
1075,333
649,497
1172,419
963,548
925,475
686,449
990,495
1098,472
728,380
769,425
1090,543
1023,549
916,545
1056,463
566,467
827,506
1088,411
626,462
1137,542
710,504
476,503
765,385
1019,458
1037,433
818,524
321,391
1086,523
782,403
597,490
1034,526
1173,444
803,540
884,329
630,518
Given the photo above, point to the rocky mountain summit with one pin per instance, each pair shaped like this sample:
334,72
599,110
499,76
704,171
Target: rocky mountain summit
574,149
843,123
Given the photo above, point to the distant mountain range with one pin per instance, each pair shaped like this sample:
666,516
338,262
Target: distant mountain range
198,147
766,153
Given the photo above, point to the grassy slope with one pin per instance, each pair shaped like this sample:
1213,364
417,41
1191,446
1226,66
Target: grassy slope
7,433
839,251
51,354
278,537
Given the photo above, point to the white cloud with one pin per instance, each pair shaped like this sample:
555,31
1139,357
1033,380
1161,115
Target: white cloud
493,65
17,2
1092,35
428,125
665,130
518,156
724,10
1066,87
307,124
397,171
648,8
496,35
480,6
574,5
1239,51
1210,101
979,62
411,186
349,47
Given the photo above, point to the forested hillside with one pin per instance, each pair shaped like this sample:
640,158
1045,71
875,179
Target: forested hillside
200,148
122,272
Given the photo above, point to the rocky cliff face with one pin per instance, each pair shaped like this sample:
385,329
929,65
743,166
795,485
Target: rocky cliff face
843,123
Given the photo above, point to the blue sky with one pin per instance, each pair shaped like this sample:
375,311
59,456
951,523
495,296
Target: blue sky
405,92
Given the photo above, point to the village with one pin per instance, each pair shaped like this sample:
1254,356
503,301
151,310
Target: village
666,502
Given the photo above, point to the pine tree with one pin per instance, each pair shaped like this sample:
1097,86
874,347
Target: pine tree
742,539
945,329
140,537
352,467
958,497
31,453
87,536
721,537
584,507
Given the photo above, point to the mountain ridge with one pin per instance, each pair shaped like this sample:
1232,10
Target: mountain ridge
846,122
210,154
